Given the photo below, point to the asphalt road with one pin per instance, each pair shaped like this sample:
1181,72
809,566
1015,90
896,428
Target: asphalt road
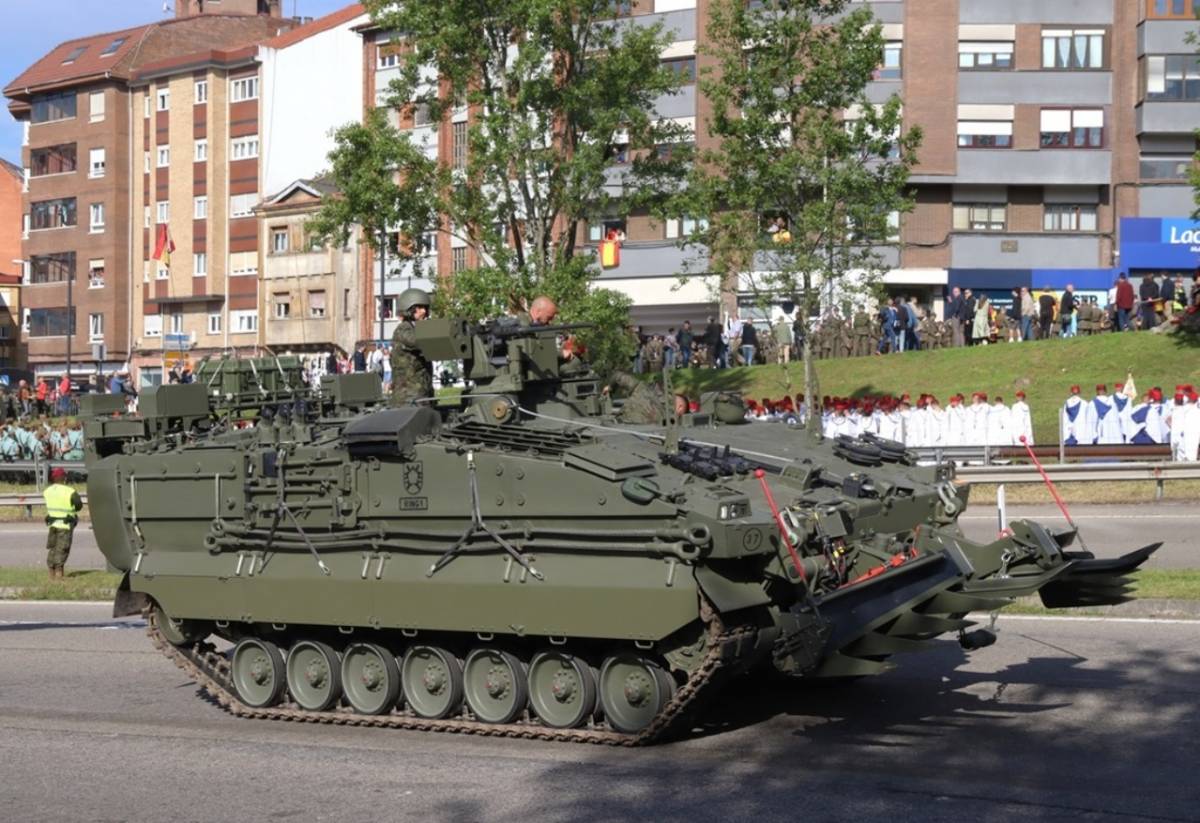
1060,720
1108,530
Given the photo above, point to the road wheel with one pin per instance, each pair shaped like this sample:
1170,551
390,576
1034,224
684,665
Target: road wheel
258,672
433,681
314,675
370,678
562,689
494,683
633,690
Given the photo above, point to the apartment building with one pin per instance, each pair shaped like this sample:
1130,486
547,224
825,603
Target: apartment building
1057,142
310,289
12,180
82,235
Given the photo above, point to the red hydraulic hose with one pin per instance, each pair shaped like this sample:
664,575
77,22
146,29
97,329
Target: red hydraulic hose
783,532
1049,483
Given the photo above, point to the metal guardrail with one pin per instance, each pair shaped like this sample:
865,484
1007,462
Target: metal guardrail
28,500
987,454
40,469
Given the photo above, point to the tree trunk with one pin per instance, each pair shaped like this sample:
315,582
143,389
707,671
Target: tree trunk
812,386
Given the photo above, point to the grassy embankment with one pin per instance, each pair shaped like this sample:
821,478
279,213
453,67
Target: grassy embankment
1045,370
32,583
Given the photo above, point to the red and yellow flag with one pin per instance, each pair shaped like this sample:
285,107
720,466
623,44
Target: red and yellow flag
163,245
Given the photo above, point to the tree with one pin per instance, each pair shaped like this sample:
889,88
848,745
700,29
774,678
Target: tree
805,186
385,185
554,91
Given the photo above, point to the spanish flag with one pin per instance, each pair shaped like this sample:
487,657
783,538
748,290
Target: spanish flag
163,245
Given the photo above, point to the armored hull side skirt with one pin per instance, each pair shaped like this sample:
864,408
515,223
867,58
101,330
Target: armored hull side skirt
729,651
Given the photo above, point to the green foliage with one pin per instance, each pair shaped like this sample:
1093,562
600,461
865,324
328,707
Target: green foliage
553,89
786,73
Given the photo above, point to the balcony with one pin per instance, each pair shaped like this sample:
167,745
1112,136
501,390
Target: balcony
1002,250
653,259
1034,168
1076,88
1165,37
1173,117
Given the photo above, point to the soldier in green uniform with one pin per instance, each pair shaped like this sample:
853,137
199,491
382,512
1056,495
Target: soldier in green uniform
844,342
412,374
62,505
644,403
862,333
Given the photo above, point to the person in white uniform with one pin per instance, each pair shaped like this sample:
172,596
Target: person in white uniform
1020,421
956,422
1074,420
999,431
1105,419
977,416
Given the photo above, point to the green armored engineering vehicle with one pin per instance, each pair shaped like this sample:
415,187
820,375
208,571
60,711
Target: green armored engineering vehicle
515,561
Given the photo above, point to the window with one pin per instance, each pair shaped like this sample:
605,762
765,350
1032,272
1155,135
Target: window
96,106
163,98
95,328
1173,77
890,70
201,95
985,134
386,307
684,69
985,55
428,243
164,156
1174,9
598,231
201,151
146,105
1074,129
199,208
95,274
420,115
112,47
146,162
1154,167
622,8
162,272
52,160
979,216
244,148
1069,218
47,108
316,303
459,145
145,217
282,302
51,322
244,322
243,263
199,264
279,240
152,325
96,222
214,323
684,227
1072,48
74,55
458,259
96,163
52,268
346,304
164,211
52,214
242,205
245,88
176,323
389,56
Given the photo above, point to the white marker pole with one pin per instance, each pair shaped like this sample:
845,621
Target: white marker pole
1001,510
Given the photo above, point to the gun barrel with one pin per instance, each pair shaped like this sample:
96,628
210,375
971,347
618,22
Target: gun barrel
534,331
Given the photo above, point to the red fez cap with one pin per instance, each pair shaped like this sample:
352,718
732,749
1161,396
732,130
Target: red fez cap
1179,398
1075,390
1021,395
1101,388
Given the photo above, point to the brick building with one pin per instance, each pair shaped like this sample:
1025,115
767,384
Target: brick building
12,181
1049,128
83,239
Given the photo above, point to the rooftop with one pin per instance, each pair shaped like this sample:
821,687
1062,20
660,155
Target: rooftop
321,24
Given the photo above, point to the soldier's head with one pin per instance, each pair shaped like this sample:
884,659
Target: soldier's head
413,304
58,475
681,405
543,310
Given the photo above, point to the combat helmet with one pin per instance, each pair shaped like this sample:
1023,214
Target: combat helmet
409,299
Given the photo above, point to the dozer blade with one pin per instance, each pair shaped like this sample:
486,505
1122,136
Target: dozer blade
1092,582
870,645
958,603
915,623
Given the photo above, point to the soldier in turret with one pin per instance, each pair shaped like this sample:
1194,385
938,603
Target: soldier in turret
412,374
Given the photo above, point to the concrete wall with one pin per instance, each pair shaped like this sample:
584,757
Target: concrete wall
1032,251
1171,117
306,93
1166,201
1013,167
1078,88
1165,37
1073,12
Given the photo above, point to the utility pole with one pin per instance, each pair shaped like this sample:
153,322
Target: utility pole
382,280
70,321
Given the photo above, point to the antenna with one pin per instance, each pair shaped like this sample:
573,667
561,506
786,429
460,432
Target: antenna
166,8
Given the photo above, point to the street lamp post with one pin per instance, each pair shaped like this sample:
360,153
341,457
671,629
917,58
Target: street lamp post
70,322
382,279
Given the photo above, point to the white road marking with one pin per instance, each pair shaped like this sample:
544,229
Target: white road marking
1084,517
1087,619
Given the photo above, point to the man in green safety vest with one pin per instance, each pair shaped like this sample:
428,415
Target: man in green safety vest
62,503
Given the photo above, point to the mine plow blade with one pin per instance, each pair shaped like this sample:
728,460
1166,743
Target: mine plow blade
1089,581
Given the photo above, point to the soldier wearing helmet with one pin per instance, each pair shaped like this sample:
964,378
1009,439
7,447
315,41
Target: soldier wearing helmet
412,374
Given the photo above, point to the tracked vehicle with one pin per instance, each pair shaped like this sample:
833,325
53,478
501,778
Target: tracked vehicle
517,562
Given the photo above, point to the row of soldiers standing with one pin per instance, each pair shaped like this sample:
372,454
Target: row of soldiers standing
860,335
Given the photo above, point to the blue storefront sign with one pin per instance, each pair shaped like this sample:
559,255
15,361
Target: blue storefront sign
996,282
1159,244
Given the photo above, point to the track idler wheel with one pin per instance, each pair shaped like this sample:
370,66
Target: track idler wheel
633,690
562,689
258,672
179,632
